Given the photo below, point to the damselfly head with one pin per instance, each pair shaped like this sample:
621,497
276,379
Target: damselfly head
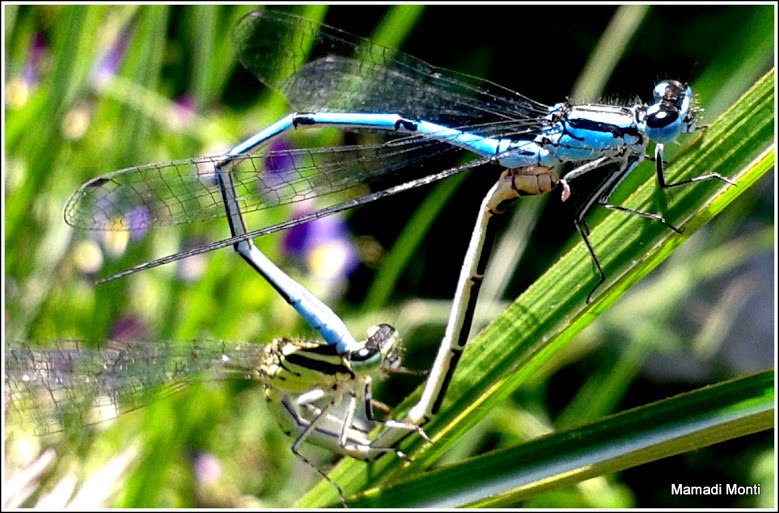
672,113
381,349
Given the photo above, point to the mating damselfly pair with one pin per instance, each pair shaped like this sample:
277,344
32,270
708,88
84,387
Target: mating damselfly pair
512,131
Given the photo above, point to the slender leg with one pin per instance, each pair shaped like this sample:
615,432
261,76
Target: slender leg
330,427
306,432
661,177
388,424
602,194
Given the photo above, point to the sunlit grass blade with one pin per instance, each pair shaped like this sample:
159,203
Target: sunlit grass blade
672,426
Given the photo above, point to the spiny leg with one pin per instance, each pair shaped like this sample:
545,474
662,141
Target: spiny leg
604,191
306,433
388,424
661,176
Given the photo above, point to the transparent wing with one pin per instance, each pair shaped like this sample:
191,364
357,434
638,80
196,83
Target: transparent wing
70,385
186,191
320,67
316,67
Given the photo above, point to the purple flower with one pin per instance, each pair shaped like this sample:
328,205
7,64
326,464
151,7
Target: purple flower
33,60
128,329
115,227
191,268
276,168
323,246
206,468
182,111
108,62
21,86
138,222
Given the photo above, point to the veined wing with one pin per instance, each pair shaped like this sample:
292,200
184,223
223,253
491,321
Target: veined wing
186,191
71,385
318,67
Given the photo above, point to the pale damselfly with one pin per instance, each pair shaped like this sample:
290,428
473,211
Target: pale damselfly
334,79
318,394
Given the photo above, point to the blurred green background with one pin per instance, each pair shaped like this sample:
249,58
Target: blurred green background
91,89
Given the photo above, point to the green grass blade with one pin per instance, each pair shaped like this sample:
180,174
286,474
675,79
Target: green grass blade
499,479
